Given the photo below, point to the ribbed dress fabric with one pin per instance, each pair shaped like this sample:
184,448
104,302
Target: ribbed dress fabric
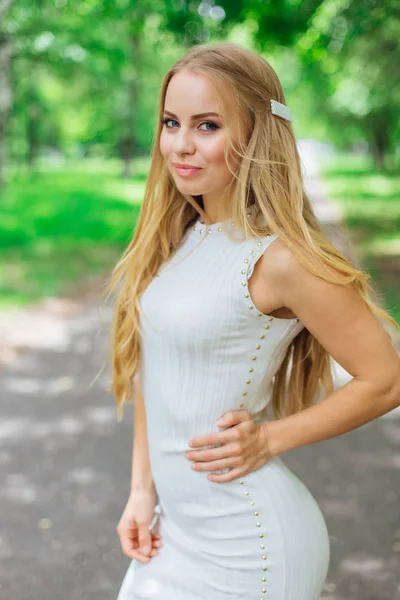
207,349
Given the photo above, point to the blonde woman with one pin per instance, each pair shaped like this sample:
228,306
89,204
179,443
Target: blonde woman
230,302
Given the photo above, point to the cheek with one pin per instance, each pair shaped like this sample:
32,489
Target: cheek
213,152
165,145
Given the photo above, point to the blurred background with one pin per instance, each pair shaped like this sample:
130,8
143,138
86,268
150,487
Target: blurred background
79,85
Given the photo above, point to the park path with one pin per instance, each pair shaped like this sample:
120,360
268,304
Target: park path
65,463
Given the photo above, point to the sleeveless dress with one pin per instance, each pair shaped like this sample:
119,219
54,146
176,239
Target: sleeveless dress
207,349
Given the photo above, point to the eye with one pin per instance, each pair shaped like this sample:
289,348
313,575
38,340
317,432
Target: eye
210,123
165,121
214,126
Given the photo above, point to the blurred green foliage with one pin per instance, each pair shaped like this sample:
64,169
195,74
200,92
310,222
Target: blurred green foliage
79,87
63,224
82,77
370,201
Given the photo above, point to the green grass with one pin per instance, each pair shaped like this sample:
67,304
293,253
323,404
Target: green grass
370,200
59,225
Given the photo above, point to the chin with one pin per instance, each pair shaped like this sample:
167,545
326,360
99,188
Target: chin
186,186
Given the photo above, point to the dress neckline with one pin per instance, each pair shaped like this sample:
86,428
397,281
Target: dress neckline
218,228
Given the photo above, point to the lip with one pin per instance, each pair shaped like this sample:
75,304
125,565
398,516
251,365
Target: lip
186,170
185,166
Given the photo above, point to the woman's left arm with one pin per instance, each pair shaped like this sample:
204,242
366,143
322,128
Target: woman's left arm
341,321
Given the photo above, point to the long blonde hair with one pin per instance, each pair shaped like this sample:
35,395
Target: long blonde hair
267,176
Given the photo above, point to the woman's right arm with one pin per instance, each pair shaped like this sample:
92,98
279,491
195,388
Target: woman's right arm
142,477
138,541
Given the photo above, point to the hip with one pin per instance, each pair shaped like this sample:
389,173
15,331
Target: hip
272,497
265,526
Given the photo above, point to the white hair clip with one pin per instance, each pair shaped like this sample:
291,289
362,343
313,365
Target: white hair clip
280,110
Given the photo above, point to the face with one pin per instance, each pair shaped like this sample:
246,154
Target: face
195,140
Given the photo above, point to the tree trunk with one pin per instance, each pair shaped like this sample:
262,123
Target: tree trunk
379,128
32,129
126,150
379,150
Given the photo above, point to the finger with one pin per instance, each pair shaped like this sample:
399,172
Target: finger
138,556
216,465
211,439
145,539
153,552
224,477
142,557
226,451
126,540
127,545
232,417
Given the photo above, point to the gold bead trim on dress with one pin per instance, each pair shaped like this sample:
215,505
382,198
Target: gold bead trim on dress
266,327
260,535
244,393
251,307
210,228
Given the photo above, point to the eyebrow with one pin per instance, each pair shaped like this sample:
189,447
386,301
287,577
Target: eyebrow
206,114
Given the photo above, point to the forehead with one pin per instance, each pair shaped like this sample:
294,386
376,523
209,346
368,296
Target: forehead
191,93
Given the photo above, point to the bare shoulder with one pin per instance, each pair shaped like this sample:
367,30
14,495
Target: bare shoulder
278,256
295,286
335,314
279,265
271,276
282,267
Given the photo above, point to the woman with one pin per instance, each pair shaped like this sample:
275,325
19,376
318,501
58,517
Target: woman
230,303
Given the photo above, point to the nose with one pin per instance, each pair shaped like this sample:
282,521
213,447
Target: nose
183,142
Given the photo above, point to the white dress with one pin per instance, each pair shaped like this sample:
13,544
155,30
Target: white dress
207,349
